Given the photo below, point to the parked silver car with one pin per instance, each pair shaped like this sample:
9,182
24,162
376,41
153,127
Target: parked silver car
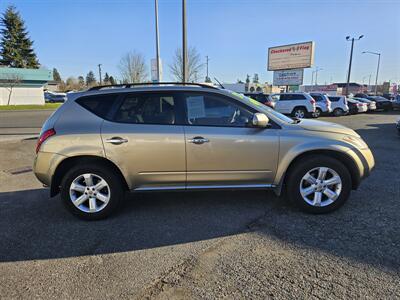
149,137
323,104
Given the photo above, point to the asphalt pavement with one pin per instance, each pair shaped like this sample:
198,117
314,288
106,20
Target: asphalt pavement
180,245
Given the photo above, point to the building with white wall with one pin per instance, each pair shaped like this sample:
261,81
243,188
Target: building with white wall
23,86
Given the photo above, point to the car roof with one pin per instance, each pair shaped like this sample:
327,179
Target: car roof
129,88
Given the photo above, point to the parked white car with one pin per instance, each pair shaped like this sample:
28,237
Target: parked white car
323,105
299,105
371,104
339,105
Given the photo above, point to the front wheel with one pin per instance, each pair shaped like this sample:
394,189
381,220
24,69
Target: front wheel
91,192
319,184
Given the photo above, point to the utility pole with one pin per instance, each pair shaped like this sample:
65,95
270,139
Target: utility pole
207,77
99,65
157,43
351,60
184,44
377,68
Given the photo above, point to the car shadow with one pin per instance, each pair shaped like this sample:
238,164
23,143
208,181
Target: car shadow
34,226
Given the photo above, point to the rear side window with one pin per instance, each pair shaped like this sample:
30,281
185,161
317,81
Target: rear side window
147,109
100,105
334,99
318,98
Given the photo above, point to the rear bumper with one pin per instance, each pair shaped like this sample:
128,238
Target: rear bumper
45,164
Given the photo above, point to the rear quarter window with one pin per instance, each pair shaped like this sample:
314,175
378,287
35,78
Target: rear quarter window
100,105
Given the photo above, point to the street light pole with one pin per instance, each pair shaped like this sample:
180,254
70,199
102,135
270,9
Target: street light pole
351,60
99,65
184,44
157,43
317,69
377,68
207,60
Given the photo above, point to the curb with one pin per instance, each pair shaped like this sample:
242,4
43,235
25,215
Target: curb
25,110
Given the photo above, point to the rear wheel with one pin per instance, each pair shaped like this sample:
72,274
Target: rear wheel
317,113
91,192
299,113
319,184
338,112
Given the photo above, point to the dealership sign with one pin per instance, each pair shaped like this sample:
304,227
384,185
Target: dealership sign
288,77
293,56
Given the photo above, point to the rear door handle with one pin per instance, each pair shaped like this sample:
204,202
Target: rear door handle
116,140
198,140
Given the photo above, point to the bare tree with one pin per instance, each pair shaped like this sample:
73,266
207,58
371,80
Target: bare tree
11,81
132,67
195,66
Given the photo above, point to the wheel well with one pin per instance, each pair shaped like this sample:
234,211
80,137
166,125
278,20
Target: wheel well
342,157
299,106
68,163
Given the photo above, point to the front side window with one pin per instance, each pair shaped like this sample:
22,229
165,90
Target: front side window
214,110
147,109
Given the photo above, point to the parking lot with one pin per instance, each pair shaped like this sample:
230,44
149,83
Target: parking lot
247,244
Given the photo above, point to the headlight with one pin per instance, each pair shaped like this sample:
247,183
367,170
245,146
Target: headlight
356,141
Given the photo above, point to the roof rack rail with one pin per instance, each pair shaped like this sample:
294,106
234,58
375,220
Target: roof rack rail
130,85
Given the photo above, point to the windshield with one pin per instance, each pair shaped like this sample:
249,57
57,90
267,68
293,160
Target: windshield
263,108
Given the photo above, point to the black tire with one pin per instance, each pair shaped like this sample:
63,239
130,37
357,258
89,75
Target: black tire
115,185
317,113
338,112
301,168
299,111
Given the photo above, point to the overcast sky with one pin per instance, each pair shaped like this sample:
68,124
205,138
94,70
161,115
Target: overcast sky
75,36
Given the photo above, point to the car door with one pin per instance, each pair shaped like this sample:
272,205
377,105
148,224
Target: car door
222,150
145,140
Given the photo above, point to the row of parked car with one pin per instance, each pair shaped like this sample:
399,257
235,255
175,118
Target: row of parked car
51,97
302,105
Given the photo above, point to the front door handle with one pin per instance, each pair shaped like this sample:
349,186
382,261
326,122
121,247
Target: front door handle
198,140
116,140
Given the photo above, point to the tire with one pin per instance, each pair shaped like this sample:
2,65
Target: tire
299,112
107,199
338,112
295,182
317,113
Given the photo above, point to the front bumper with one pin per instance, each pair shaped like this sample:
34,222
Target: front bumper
364,159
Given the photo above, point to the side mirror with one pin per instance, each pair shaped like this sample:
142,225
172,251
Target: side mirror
260,120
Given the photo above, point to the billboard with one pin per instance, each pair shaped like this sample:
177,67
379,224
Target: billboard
292,56
288,77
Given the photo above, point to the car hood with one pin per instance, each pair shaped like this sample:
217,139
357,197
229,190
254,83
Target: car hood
322,126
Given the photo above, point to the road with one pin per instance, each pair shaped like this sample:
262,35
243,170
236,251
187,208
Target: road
26,122
204,245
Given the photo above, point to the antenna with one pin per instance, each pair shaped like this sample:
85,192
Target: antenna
220,84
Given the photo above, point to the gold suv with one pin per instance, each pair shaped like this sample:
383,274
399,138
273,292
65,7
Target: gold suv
148,137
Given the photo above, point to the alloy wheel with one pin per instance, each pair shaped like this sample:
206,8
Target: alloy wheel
299,114
89,193
320,186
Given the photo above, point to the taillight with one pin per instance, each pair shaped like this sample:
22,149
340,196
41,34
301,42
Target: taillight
312,101
44,136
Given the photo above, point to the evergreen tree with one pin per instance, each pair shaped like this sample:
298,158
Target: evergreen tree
248,78
106,79
15,45
112,80
56,75
81,80
255,78
90,78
